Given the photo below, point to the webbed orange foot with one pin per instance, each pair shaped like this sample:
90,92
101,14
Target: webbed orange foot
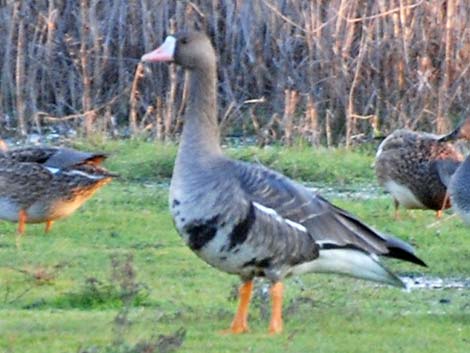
275,325
240,321
235,329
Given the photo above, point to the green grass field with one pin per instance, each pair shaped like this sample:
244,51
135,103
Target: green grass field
115,275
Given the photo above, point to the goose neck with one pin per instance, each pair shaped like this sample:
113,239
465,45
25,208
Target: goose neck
201,134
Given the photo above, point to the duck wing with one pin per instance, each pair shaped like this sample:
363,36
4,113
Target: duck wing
33,154
24,183
67,157
55,157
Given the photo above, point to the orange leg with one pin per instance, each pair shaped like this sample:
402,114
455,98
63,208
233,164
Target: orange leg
240,321
48,226
444,204
275,326
21,221
21,226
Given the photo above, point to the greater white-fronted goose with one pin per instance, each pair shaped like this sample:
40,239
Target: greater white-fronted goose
43,184
459,191
248,220
415,167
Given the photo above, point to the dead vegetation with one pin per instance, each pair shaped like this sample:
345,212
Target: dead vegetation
327,71
124,277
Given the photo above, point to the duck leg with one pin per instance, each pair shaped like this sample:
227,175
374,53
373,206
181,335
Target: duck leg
21,226
444,204
240,321
397,211
21,221
275,326
48,226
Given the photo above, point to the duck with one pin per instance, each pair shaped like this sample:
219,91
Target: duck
459,191
42,184
415,167
247,220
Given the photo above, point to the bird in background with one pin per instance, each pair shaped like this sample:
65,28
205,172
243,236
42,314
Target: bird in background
416,167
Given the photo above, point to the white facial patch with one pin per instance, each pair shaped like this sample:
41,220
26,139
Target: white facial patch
164,52
169,45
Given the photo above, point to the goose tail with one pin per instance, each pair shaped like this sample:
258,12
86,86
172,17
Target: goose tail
351,261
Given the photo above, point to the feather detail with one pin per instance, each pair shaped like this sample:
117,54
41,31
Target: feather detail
273,213
349,261
324,222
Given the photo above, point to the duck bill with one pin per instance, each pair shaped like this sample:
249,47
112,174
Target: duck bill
165,52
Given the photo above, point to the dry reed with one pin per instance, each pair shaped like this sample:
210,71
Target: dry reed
320,66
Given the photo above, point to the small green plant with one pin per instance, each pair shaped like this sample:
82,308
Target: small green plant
124,286
120,291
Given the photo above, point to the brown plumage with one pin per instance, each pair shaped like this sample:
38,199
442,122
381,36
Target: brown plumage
415,167
43,184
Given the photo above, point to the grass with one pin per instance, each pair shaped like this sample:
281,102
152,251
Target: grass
137,161
77,290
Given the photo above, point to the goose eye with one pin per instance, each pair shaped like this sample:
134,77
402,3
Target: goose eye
184,40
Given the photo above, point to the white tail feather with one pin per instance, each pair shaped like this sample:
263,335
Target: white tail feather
349,262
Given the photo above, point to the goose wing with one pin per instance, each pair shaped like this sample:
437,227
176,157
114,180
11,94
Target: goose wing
445,169
326,223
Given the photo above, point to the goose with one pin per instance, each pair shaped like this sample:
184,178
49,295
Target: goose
248,220
415,167
459,191
43,183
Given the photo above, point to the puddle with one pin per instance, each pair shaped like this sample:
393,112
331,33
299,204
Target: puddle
424,282
367,192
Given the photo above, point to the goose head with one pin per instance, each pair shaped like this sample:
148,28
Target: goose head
191,50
